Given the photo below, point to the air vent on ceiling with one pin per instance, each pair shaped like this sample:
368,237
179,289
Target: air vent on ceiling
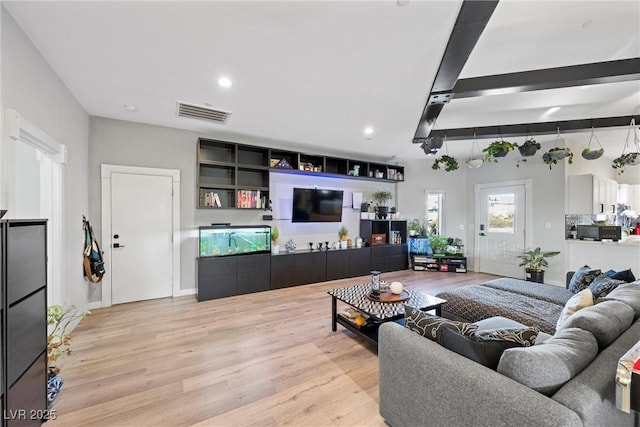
203,113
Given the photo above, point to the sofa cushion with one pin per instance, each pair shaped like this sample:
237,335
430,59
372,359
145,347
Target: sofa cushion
523,336
629,294
430,326
547,366
484,350
606,321
581,300
602,285
499,322
624,275
582,278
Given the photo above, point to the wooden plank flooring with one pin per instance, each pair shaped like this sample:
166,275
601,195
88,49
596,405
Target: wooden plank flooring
262,359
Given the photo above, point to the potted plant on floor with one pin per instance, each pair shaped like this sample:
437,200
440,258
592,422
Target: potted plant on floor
382,198
275,234
59,320
533,260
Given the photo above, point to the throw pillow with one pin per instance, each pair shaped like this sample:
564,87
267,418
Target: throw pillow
582,278
430,326
624,275
628,293
602,285
522,336
486,351
582,299
545,367
606,321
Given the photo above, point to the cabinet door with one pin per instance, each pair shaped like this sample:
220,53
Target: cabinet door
612,196
27,398
359,262
216,278
253,273
298,269
599,195
26,260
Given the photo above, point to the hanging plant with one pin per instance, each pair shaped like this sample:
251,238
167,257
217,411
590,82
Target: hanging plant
476,160
445,162
588,153
558,152
631,158
498,149
529,148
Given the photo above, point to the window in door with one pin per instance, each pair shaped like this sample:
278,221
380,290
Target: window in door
501,213
434,206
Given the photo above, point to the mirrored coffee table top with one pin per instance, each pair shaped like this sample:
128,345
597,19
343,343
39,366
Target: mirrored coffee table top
356,296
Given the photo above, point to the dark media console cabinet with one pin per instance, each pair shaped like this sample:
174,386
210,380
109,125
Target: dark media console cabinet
23,304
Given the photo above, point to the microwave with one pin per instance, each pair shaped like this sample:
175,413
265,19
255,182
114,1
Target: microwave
599,232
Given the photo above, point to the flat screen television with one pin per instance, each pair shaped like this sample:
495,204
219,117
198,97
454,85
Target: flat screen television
316,205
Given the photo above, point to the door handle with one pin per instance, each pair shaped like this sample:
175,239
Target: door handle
118,245
481,234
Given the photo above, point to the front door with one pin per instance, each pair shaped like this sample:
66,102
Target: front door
140,244
501,229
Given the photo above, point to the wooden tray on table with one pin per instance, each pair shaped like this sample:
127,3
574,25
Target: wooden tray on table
389,296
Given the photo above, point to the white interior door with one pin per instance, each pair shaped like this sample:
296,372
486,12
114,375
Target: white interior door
141,237
501,229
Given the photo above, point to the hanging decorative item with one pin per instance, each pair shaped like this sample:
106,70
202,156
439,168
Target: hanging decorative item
446,162
628,158
527,149
558,152
590,154
498,149
476,160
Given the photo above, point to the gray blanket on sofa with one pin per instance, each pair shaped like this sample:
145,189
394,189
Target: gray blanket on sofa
477,302
540,291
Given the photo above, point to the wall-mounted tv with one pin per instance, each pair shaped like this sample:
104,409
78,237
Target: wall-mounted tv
316,205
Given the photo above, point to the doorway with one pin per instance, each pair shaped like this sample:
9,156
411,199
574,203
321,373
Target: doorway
140,233
502,229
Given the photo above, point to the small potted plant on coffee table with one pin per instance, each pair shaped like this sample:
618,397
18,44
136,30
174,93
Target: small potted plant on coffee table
533,260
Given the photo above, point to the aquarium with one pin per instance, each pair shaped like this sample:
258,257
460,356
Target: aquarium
233,240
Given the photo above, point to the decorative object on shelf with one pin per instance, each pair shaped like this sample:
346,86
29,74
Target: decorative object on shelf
310,246
275,234
358,242
438,244
588,153
342,233
628,158
319,246
533,260
283,164
396,288
382,198
416,227
59,319
558,152
378,239
290,246
475,160
498,149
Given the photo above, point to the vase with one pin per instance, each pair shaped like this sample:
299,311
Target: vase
343,244
54,385
275,249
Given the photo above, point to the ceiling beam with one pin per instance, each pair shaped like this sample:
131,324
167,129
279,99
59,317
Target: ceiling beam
540,128
472,19
550,78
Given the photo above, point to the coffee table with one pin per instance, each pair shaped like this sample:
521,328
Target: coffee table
379,312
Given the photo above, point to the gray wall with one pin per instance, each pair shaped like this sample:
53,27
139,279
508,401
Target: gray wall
31,87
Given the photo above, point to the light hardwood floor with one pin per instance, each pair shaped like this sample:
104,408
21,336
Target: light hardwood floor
262,359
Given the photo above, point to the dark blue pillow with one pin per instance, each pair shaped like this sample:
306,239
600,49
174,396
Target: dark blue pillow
624,275
582,278
602,285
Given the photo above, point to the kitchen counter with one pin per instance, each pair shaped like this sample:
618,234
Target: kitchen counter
605,255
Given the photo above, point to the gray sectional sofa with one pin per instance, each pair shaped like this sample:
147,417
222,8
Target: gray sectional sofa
566,380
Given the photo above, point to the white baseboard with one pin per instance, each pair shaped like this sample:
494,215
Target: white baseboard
95,304
184,292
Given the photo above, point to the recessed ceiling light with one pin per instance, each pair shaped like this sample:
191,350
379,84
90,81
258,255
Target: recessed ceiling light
224,82
368,131
131,108
587,24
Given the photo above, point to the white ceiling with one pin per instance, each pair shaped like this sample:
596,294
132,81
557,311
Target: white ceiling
313,75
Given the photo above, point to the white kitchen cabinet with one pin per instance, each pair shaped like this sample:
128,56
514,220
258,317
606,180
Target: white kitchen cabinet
591,194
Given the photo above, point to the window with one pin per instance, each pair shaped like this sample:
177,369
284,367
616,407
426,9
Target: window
501,210
434,211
